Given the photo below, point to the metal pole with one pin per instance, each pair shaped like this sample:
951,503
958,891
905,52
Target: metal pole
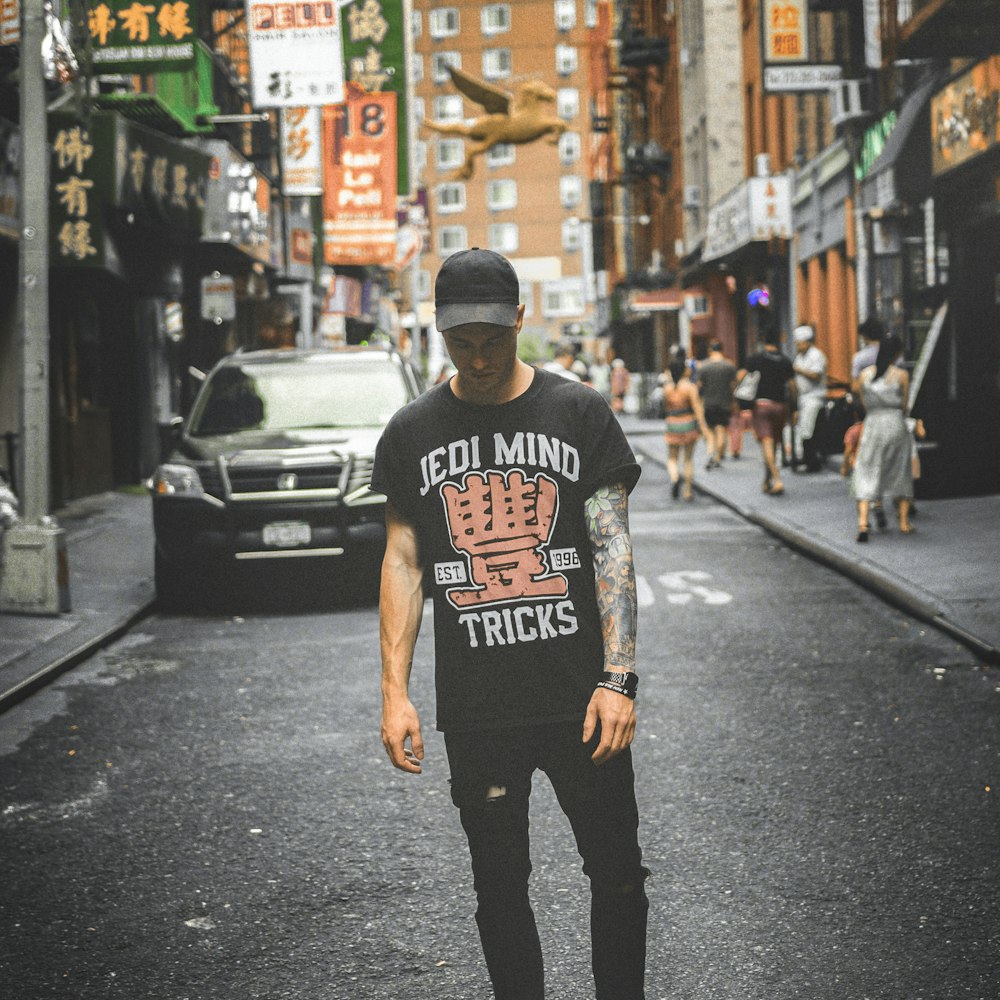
36,575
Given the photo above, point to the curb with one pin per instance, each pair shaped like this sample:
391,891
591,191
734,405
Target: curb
38,674
885,584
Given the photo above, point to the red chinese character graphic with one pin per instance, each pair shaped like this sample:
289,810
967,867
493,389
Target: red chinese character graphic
501,523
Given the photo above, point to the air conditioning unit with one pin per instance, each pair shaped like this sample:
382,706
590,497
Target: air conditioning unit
685,57
692,196
849,100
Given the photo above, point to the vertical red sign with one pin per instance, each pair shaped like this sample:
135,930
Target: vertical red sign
359,179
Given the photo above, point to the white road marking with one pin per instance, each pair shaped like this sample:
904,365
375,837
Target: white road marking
644,592
687,584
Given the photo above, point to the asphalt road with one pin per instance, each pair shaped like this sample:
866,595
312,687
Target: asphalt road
204,810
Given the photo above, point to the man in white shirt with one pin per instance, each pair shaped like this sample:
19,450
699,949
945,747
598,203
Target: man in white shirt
562,363
810,380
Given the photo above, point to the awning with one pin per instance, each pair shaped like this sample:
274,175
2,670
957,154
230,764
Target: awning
658,300
903,166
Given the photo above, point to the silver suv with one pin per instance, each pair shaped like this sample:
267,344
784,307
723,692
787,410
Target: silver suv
274,464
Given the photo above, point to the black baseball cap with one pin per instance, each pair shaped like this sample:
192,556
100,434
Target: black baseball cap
476,286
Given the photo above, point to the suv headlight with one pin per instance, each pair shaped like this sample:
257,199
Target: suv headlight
176,481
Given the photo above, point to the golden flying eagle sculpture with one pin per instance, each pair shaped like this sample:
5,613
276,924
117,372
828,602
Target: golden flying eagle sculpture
517,118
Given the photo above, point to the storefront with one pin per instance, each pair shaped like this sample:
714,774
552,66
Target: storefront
960,396
126,207
826,291
744,264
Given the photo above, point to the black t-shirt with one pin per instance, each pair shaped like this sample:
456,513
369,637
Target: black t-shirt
496,495
775,371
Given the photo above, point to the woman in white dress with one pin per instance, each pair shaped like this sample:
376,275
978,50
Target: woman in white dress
883,466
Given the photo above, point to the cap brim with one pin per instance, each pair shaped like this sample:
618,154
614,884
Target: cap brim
461,313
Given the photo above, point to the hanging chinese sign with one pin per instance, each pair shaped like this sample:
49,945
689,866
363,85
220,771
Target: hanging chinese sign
128,35
301,160
374,34
115,166
296,53
785,34
965,116
359,166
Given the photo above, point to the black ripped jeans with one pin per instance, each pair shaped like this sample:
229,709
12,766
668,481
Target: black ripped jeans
490,784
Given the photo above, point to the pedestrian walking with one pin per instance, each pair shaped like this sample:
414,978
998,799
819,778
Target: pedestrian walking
685,423
775,398
810,382
562,363
871,332
621,379
883,466
507,497
716,381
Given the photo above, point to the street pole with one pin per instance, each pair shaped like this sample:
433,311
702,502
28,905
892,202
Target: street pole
36,572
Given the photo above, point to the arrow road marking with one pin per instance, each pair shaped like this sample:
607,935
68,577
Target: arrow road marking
684,586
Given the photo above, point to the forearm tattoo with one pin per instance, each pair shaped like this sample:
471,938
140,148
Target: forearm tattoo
606,513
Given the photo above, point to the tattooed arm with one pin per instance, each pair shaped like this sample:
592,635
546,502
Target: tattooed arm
606,513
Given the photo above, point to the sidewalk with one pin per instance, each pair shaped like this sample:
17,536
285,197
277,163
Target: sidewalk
109,541
947,573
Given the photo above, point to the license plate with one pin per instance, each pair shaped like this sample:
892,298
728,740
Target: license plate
287,534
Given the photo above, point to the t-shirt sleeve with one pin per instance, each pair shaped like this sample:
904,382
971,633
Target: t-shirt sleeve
612,459
387,475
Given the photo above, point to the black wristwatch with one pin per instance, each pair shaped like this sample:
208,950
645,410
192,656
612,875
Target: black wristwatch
624,682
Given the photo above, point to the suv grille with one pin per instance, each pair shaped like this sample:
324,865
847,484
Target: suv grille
268,480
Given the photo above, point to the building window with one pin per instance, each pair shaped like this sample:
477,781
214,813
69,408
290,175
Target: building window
416,23
565,15
419,155
569,148
451,239
444,22
697,305
450,153
590,12
497,64
503,154
562,298
418,68
450,198
568,103
424,284
570,191
448,108
503,237
501,195
526,297
566,60
419,109
440,62
571,235
496,18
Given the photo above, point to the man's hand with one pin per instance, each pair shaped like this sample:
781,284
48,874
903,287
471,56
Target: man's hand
400,723
616,715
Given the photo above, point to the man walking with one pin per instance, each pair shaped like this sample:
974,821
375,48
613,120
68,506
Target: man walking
716,381
810,380
508,498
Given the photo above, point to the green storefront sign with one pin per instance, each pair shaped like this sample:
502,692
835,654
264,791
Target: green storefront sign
374,33
872,144
132,36
114,165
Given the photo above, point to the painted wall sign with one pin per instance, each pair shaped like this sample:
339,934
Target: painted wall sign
965,116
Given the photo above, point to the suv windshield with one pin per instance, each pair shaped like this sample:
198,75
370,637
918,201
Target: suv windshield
299,395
